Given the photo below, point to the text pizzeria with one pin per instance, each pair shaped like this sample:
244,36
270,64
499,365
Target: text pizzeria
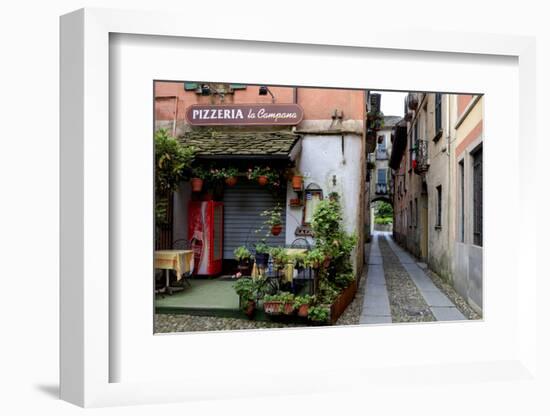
239,114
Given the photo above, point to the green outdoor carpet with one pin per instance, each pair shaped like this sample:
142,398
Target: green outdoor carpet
203,294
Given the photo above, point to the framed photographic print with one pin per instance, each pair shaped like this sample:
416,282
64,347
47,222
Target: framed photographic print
283,212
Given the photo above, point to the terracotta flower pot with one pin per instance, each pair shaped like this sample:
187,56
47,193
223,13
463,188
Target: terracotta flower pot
276,229
231,181
196,184
303,310
250,309
288,308
272,307
297,182
263,180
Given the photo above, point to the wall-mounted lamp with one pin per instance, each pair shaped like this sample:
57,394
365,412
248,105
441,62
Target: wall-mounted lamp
264,90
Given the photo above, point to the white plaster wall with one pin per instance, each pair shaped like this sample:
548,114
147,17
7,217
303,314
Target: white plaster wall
321,160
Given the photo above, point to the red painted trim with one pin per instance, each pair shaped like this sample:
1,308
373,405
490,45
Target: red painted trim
473,135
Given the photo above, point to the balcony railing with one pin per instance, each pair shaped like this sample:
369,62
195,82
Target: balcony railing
421,162
381,189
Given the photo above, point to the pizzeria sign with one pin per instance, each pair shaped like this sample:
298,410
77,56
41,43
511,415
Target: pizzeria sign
244,114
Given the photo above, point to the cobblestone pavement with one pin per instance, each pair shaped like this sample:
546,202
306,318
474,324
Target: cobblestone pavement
353,312
189,323
406,302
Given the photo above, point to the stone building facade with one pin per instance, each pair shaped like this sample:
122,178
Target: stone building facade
436,187
327,146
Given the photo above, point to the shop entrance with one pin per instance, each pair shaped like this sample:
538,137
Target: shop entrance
243,204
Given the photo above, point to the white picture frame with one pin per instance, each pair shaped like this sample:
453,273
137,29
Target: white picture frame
86,351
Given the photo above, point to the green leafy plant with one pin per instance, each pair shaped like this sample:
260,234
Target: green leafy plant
273,216
242,253
201,173
261,248
223,173
247,290
318,313
336,245
172,161
314,258
375,120
279,256
302,300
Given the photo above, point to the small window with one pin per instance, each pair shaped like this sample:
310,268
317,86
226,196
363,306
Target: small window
382,176
439,207
438,114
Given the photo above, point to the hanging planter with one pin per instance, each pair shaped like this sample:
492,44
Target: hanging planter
276,229
231,181
263,180
196,184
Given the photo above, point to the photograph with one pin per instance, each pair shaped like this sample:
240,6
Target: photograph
292,206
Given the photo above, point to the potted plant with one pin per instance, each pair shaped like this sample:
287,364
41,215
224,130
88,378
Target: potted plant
247,290
297,181
301,304
230,176
263,175
274,219
282,302
314,258
287,300
318,314
198,175
243,256
279,256
272,304
261,254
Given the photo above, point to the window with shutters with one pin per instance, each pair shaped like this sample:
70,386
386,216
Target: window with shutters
477,167
438,115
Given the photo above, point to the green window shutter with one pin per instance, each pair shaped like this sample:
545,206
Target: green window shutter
237,86
190,86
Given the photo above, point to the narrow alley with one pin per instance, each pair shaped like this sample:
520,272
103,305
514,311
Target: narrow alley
401,289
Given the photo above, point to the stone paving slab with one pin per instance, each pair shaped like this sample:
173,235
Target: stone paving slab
376,303
371,319
440,305
447,314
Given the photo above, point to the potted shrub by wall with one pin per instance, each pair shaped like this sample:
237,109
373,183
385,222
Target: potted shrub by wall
244,257
247,290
